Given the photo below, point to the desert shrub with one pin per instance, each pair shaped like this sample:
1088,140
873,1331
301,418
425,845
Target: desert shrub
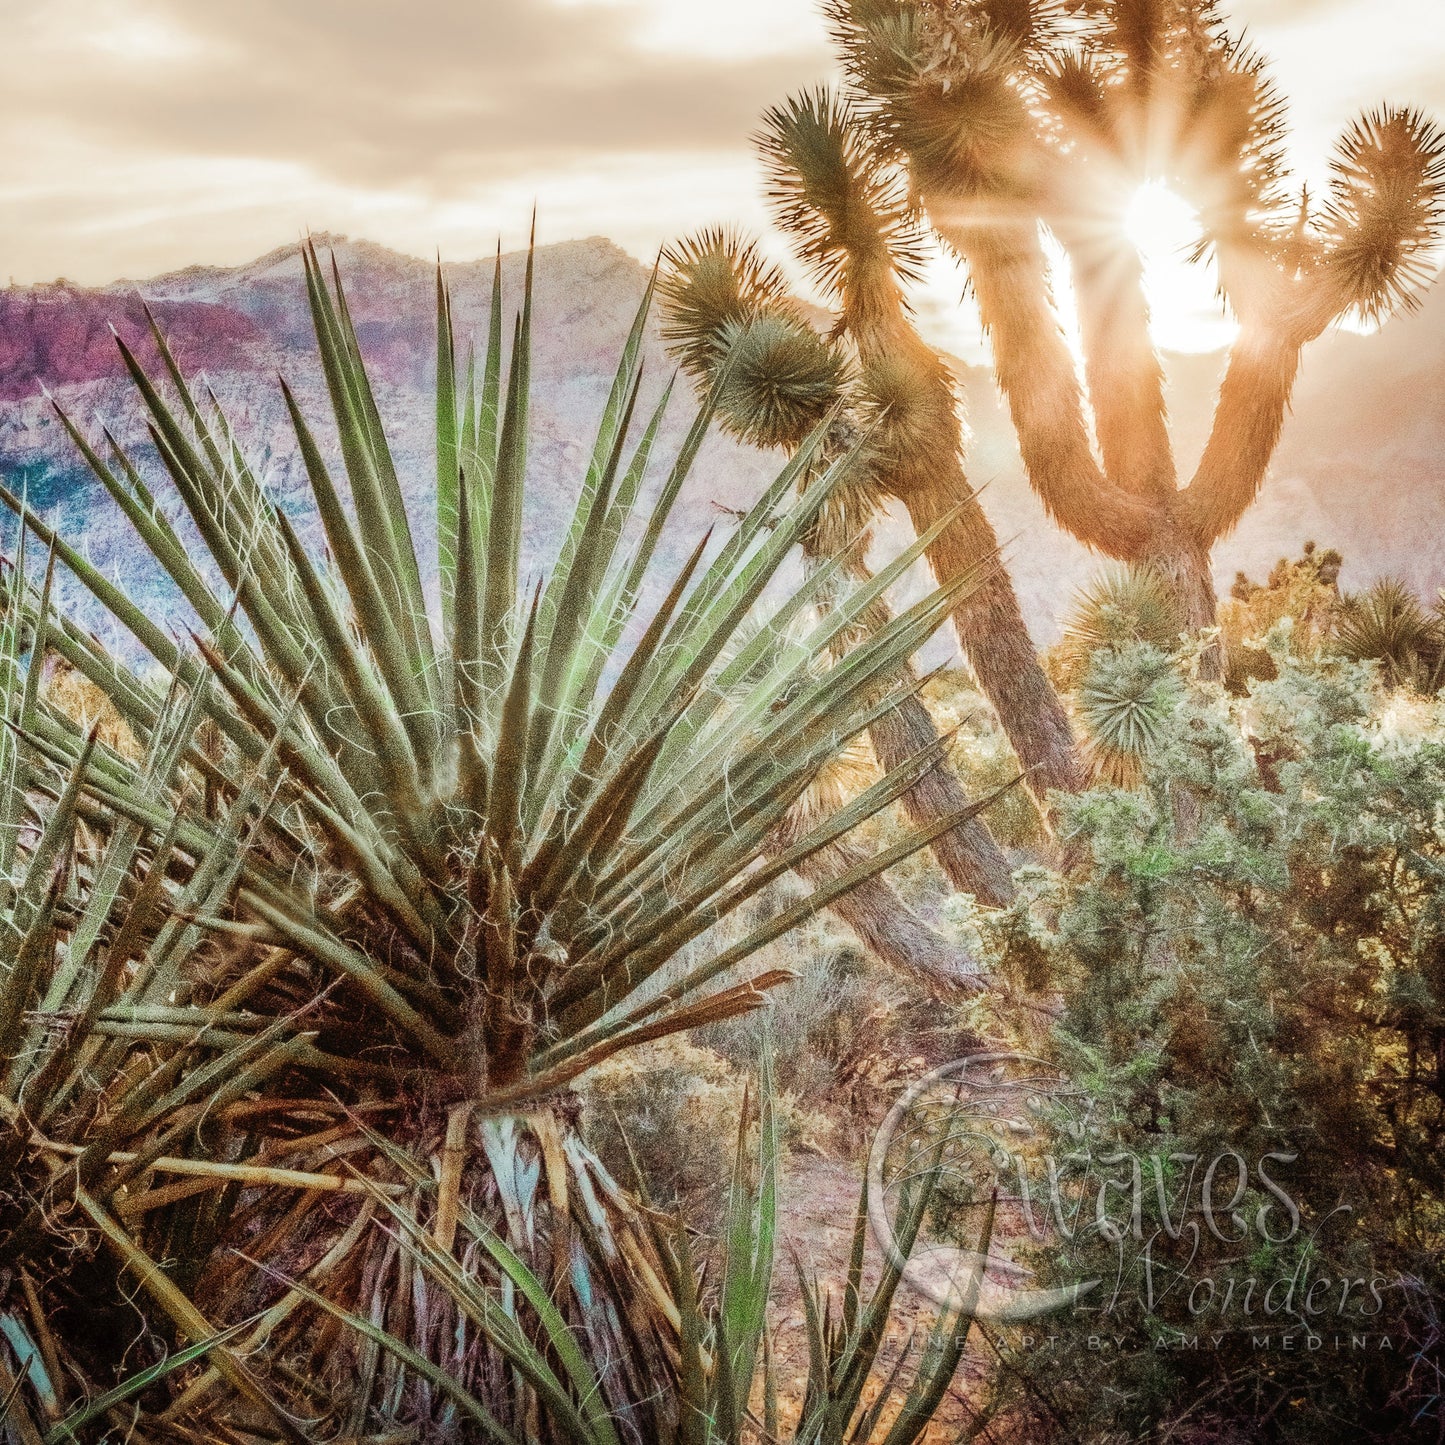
844,1032
1259,976
672,1110
1304,591
1386,623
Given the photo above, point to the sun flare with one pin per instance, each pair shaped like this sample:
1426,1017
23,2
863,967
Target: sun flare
1164,229
1160,222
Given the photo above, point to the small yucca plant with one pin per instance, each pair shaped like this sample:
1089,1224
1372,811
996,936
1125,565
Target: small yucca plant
1387,624
1117,658
373,886
1120,606
1125,700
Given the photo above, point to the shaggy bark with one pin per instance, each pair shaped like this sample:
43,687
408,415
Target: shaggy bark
1122,370
1253,403
970,857
968,854
995,640
1035,372
889,928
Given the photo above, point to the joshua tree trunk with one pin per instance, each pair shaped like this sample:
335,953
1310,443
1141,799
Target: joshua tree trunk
995,640
889,928
921,463
1183,561
968,854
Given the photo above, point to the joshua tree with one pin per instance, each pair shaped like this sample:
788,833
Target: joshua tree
731,314
776,380
1012,116
371,887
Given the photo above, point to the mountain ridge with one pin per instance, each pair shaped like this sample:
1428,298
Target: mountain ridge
1365,405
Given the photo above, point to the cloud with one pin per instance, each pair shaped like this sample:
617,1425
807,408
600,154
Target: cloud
417,123
146,134
372,92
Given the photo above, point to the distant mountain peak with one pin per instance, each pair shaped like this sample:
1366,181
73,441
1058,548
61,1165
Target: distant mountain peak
1361,466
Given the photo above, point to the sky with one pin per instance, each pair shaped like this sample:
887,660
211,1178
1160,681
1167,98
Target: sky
138,136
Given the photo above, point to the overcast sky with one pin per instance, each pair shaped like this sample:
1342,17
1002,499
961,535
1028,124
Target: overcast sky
141,135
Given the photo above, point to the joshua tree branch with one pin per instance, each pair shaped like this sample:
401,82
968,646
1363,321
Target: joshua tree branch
1036,373
1367,252
1253,403
1121,365
1279,316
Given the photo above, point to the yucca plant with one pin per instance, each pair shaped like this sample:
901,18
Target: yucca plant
1387,624
1126,698
860,1385
1121,605
1119,659
380,883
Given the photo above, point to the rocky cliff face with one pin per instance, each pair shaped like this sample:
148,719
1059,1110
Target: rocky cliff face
1361,466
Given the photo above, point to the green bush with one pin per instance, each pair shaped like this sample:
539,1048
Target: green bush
1252,959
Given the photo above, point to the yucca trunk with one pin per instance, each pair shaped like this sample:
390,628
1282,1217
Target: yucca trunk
1123,371
335,1226
1178,555
461,1194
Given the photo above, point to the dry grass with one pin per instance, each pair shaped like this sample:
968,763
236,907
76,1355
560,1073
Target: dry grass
84,703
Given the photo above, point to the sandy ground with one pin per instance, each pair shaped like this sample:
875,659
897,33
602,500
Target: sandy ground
818,1204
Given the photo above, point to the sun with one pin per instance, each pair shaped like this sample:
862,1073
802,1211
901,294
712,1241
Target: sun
1159,221
1184,309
